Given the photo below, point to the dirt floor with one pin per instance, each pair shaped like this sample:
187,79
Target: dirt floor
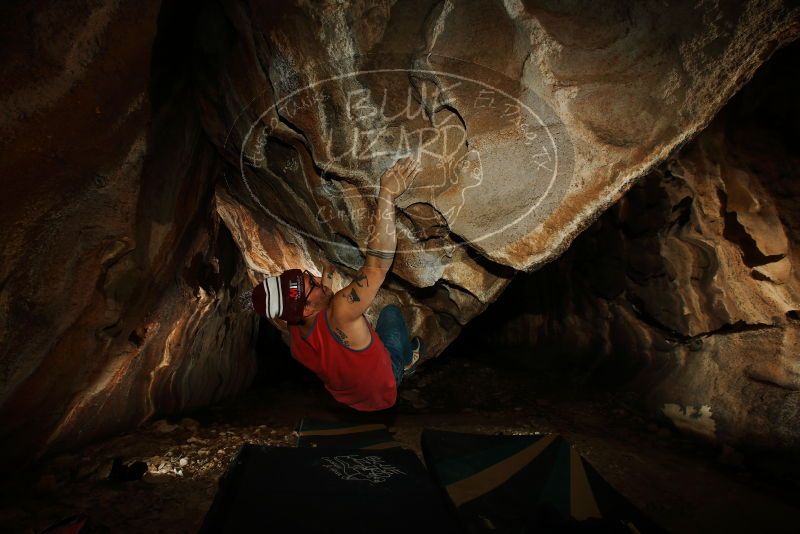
683,485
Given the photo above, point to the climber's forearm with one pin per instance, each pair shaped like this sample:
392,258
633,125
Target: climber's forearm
350,303
353,300
383,236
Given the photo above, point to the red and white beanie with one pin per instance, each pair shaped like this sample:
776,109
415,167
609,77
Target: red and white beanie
281,297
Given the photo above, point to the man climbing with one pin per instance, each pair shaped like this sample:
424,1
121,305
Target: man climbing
360,366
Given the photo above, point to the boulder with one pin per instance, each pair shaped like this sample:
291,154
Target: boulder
158,160
529,118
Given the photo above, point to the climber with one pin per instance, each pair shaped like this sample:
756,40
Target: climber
361,366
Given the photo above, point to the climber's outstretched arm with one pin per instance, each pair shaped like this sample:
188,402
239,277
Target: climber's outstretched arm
352,301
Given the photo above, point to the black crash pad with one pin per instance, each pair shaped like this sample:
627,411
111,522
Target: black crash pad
272,489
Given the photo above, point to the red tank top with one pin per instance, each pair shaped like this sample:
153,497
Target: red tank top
362,379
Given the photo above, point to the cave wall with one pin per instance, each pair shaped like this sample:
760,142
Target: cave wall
687,289
116,275
135,193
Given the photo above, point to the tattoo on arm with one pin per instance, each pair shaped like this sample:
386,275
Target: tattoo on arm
382,254
353,296
359,277
342,336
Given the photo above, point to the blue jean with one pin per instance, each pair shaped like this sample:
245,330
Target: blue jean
392,330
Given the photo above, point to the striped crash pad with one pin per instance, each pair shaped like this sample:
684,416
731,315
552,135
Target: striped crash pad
530,483
343,435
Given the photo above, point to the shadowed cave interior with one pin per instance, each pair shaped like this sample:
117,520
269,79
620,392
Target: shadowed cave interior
651,318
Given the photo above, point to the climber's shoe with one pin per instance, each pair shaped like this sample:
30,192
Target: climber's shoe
416,353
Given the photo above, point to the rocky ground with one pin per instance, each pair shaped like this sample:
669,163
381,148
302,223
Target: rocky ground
685,486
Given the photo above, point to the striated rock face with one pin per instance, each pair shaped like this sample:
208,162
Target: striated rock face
689,284
116,275
159,159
